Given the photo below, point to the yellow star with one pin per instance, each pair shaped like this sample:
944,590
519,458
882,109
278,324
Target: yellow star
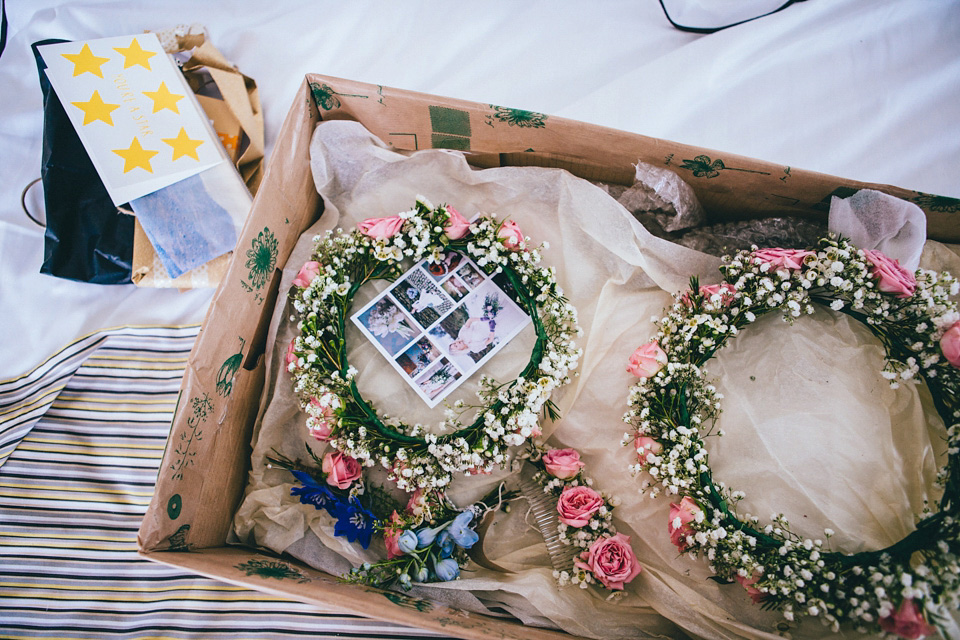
134,54
183,145
86,62
164,99
136,156
96,109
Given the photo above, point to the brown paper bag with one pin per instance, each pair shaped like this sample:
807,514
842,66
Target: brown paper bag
238,121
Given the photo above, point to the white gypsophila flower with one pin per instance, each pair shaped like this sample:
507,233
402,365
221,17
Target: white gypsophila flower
677,409
319,352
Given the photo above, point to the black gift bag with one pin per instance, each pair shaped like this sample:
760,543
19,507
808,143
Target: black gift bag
87,238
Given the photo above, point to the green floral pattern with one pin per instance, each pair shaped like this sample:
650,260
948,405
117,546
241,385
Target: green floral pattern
202,407
940,204
228,370
178,541
326,98
272,569
261,259
517,117
408,601
703,167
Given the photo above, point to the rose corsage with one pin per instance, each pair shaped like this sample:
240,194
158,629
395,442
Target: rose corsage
584,522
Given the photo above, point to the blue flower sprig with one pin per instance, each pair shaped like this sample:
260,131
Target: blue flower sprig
427,552
354,510
353,521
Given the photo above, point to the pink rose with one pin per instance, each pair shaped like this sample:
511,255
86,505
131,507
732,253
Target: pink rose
907,622
307,273
577,504
724,289
891,277
415,502
647,360
291,358
790,259
562,463
390,535
341,470
510,235
950,344
321,421
646,445
755,594
381,227
457,226
476,471
681,515
611,561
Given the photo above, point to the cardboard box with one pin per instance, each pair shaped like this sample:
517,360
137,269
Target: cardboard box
205,464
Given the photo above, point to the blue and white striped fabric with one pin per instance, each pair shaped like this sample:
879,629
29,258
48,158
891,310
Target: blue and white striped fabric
81,437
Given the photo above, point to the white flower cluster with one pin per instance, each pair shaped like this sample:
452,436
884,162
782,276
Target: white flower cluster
509,413
674,409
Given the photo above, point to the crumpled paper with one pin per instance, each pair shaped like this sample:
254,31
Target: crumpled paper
809,420
874,220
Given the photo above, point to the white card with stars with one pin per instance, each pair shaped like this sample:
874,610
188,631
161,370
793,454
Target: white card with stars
134,113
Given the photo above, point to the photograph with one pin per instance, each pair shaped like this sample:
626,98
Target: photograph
476,328
438,379
388,324
455,288
470,275
418,357
439,270
421,297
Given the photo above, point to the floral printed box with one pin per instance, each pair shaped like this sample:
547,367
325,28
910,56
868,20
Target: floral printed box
206,461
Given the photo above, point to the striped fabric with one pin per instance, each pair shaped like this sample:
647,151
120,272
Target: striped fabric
81,437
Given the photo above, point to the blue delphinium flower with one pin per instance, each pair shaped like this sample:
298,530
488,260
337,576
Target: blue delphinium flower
445,541
353,522
463,535
425,536
447,569
314,493
407,542
423,574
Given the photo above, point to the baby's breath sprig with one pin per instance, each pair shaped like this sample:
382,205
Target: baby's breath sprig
903,589
416,457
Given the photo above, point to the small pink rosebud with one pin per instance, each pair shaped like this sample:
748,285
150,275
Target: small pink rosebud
510,235
681,515
950,344
755,594
306,274
562,463
341,469
291,358
611,561
457,226
891,277
789,259
646,445
647,360
577,505
381,228
907,622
